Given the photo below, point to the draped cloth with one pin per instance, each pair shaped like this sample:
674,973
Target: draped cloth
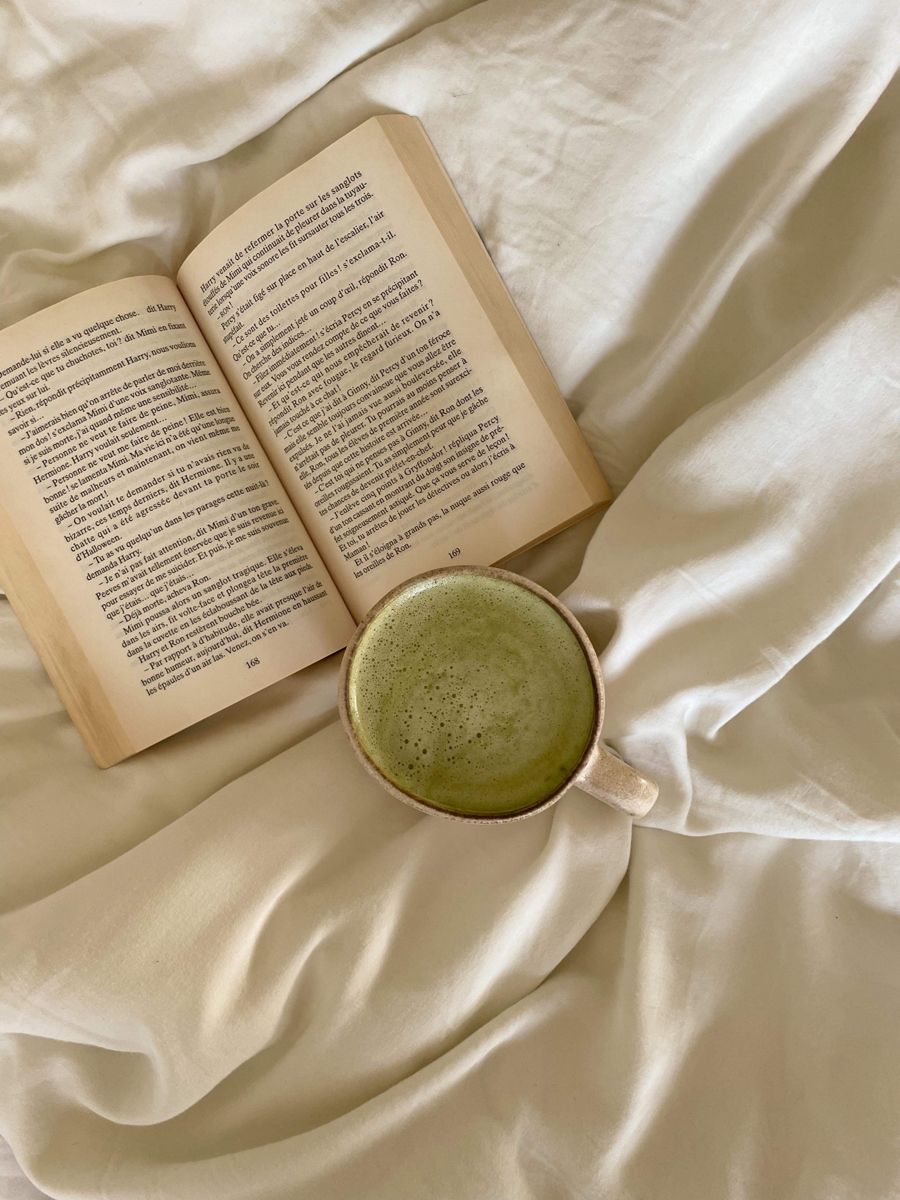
233,967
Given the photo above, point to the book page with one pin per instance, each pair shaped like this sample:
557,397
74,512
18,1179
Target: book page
146,543
385,369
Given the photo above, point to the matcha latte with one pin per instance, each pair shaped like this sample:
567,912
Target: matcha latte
472,694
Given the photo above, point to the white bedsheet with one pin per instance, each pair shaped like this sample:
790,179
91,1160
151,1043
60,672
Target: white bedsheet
232,968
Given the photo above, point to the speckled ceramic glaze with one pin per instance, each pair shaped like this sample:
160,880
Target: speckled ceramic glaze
474,693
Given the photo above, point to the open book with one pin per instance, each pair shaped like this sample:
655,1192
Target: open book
205,482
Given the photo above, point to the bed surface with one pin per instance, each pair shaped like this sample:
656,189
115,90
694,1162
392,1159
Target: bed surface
233,968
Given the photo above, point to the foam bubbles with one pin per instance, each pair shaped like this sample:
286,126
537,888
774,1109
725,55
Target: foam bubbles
472,693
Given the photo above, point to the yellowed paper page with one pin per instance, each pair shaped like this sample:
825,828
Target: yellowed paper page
149,548
384,368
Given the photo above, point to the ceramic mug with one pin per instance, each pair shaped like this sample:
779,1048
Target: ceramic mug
601,772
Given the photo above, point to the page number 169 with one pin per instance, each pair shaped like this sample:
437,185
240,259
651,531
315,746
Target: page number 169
454,553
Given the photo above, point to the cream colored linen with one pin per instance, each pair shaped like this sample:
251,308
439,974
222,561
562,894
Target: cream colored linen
231,967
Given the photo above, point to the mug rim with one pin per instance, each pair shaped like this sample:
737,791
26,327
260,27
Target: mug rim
571,620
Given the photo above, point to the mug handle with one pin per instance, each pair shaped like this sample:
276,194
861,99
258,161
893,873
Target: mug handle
609,778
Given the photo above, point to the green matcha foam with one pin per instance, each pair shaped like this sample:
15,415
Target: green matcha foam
472,693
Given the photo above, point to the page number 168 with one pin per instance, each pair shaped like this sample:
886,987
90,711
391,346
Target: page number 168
454,553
